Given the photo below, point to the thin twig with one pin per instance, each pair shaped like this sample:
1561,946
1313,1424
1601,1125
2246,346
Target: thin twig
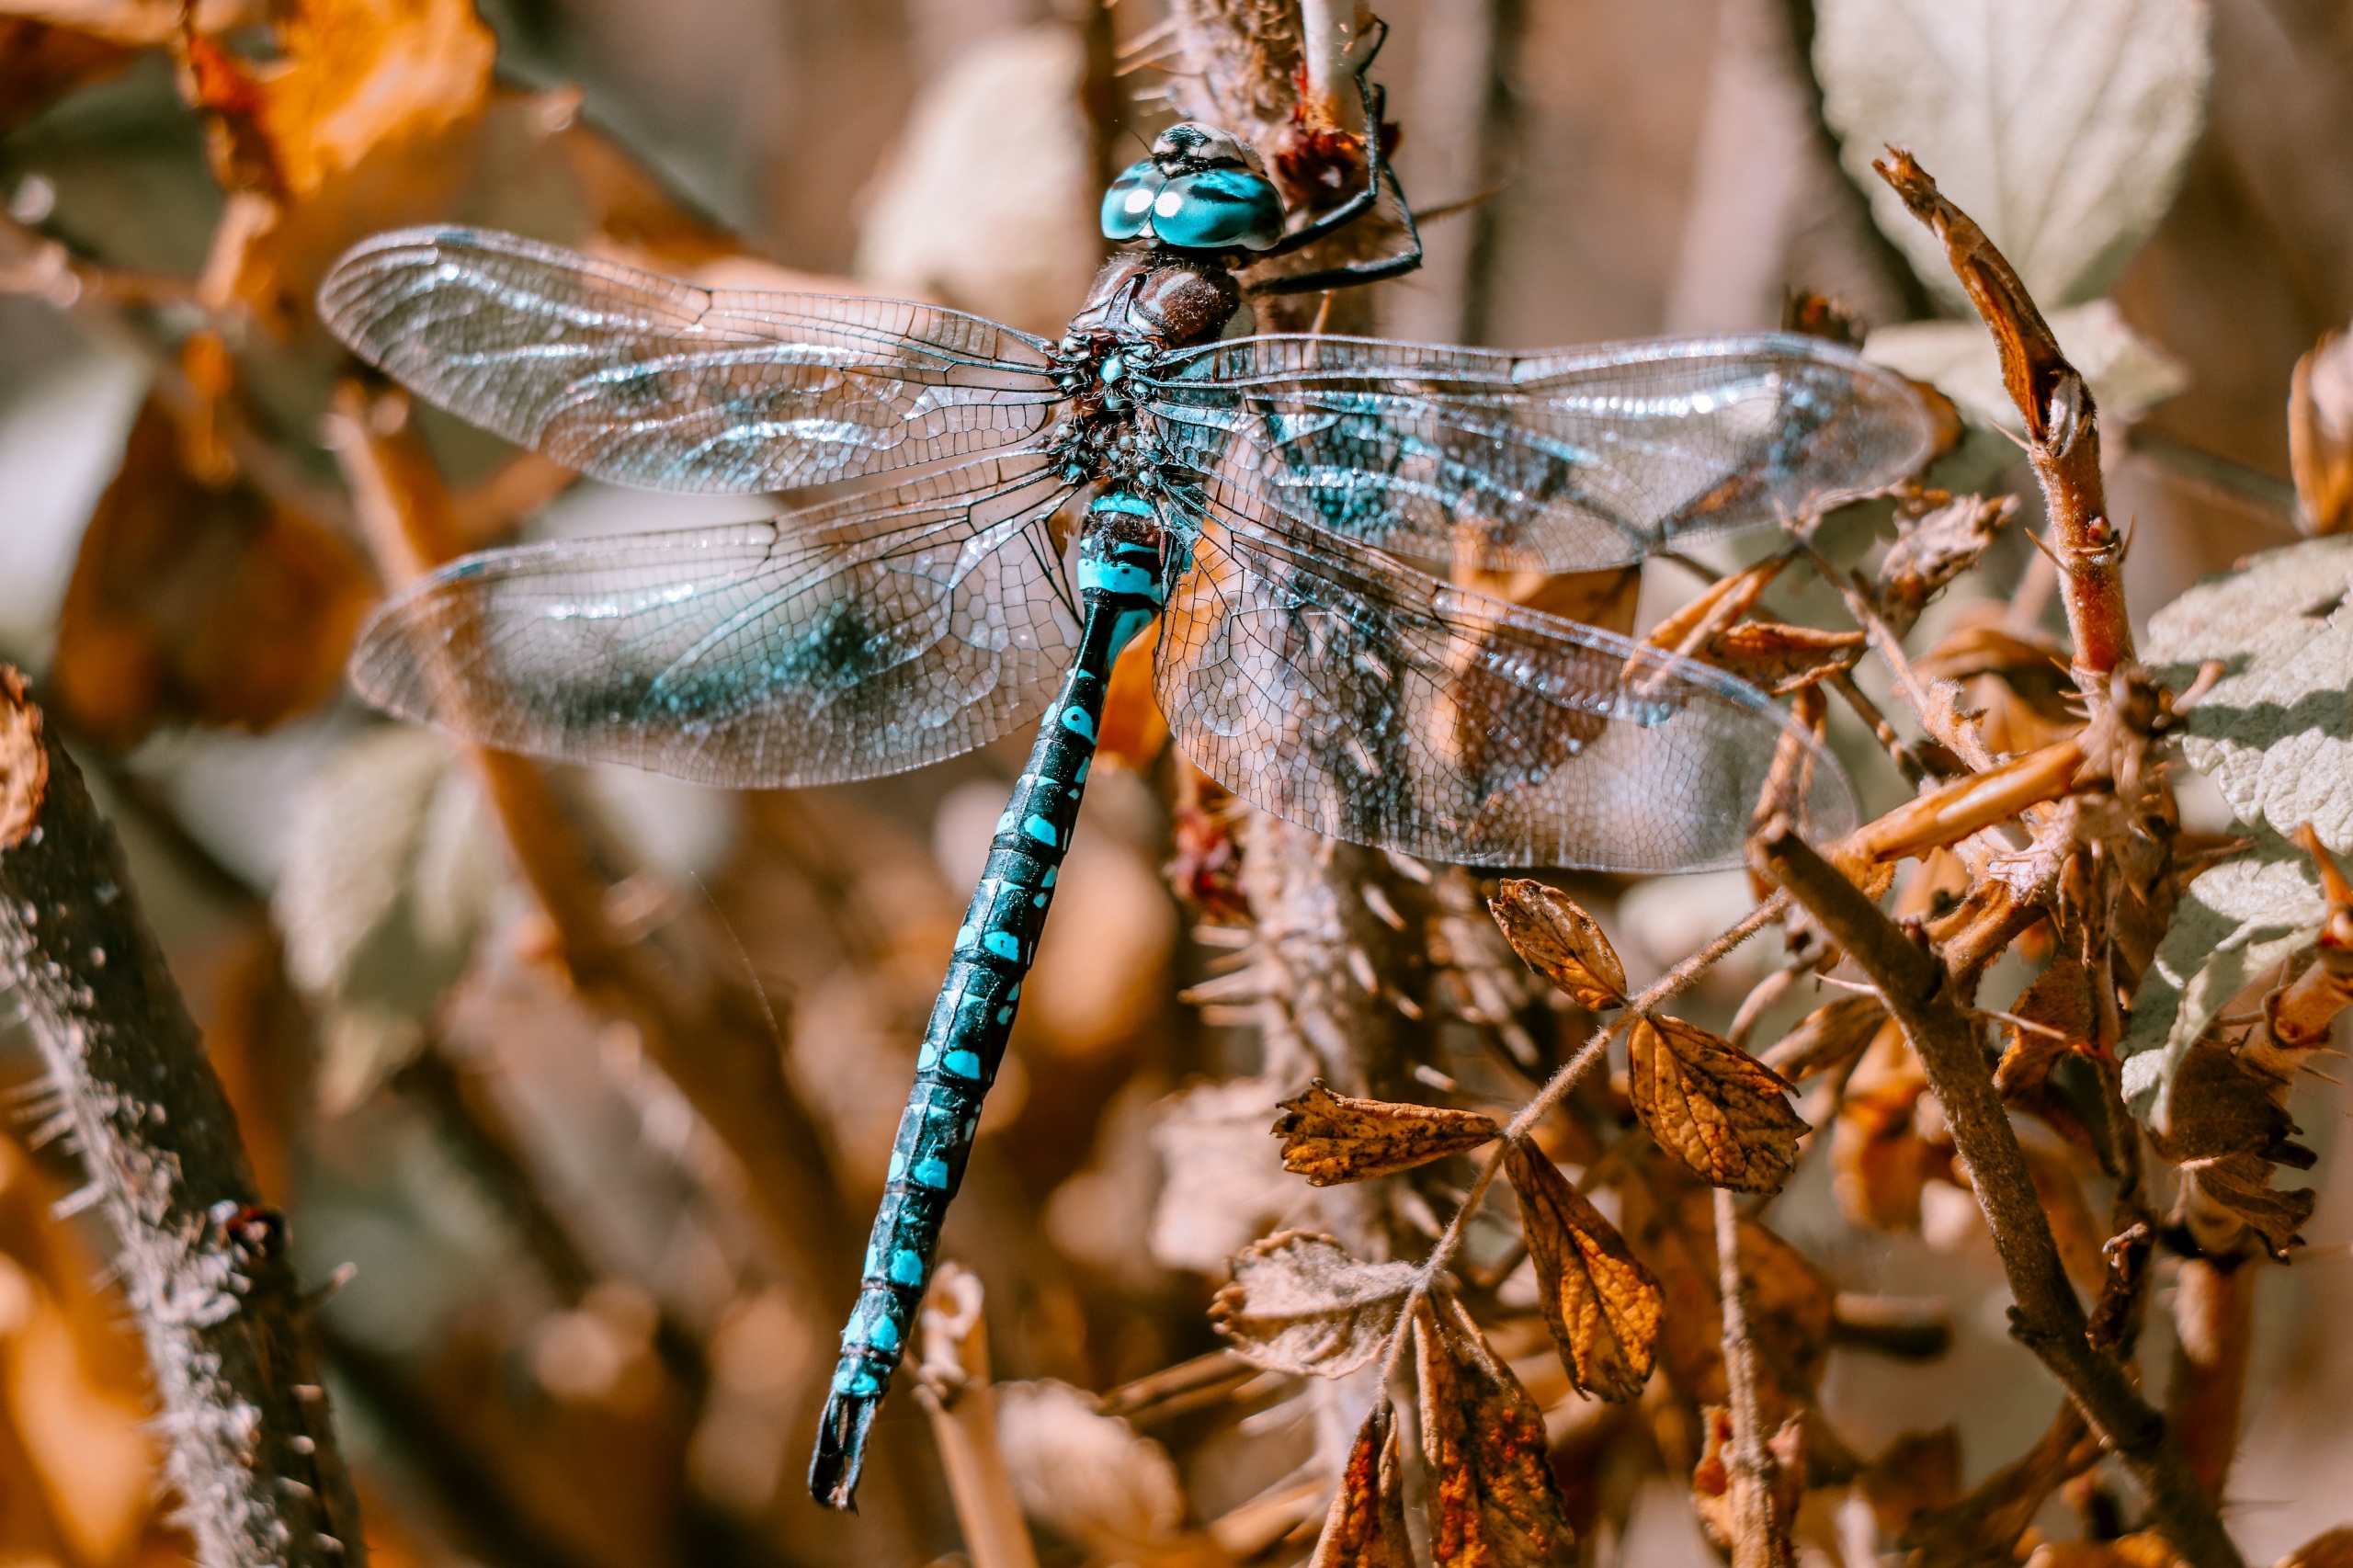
1747,1463
206,1269
2048,1318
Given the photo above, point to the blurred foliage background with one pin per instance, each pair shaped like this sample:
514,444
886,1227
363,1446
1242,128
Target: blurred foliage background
605,1214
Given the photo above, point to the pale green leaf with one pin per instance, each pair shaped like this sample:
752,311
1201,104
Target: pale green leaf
2276,733
2062,126
2128,374
2233,926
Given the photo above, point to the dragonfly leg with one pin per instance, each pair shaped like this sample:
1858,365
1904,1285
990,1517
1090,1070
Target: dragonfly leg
1122,589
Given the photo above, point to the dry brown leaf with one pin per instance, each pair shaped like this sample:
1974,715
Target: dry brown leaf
2061,1001
2241,1185
1601,1304
194,604
1297,1303
39,64
1880,1162
1933,548
1781,658
1492,1497
2320,435
1916,1473
350,75
1330,1139
2333,1549
1984,1524
2145,1549
1365,1528
1718,604
1711,1483
2220,1105
1560,941
1713,1106
1827,1038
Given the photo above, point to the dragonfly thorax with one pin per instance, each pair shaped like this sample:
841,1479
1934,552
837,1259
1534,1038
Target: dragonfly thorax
1140,307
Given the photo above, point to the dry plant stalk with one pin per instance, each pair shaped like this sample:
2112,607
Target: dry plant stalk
204,1266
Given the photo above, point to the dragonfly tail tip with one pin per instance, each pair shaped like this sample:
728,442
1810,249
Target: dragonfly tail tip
841,1450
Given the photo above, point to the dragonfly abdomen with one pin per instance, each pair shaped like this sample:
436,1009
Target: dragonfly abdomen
1121,587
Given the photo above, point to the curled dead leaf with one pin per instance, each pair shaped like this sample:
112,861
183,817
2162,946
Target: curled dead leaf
2060,1013
1491,1493
2333,1549
1782,658
1713,1106
1560,941
1827,1038
1713,1485
1365,1528
1933,548
2320,435
1601,1304
1916,1474
1330,1139
1297,1303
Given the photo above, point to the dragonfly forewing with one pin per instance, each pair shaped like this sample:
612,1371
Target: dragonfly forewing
843,642
1371,703
644,380
1555,462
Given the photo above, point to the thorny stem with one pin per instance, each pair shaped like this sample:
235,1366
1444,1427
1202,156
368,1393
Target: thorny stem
2061,428
1748,1465
2047,1317
205,1268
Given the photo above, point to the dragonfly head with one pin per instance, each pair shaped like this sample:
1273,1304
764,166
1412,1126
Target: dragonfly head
1200,189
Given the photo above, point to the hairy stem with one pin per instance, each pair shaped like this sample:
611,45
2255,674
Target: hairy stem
1748,1464
2047,1317
250,1449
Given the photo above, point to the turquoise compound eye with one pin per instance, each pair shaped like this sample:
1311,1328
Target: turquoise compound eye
1127,206
1217,210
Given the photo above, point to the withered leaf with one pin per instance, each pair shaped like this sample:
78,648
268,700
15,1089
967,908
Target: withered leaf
1828,1038
2320,435
2331,1550
1602,1305
1933,548
1365,1528
2241,1185
1560,941
191,603
1297,1303
2220,1105
1713,1106
1781,658
1916,1472
1492,1497
1713,1484
1330,1139
1984,1524
2061,1001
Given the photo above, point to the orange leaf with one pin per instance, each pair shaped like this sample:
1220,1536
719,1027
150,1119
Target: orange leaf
191,604
1490,1494
1560,941
1365,1528
1330,1139
1828,1038
1602,1305
1713,1106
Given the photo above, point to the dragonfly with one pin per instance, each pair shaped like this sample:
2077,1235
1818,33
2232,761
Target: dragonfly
1292,511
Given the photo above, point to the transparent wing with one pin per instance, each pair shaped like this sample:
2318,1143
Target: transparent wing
1552,461
644,380
842,641
1342,690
